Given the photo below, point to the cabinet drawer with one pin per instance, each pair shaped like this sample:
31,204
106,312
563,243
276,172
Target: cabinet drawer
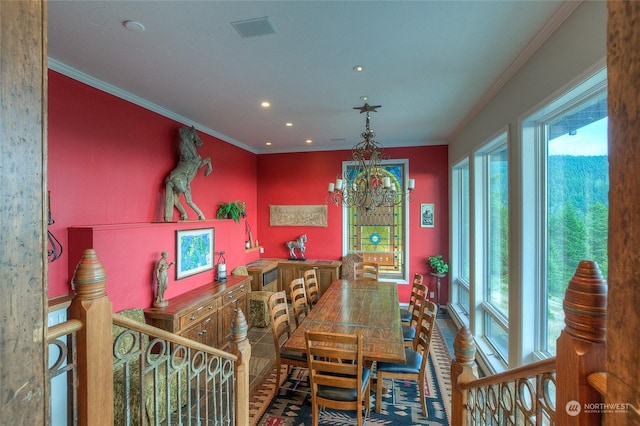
233,294
204,331
196,314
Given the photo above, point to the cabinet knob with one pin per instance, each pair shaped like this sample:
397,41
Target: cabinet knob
202,332
210,307
192,317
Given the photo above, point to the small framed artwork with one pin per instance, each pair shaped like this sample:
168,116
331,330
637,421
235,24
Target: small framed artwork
427,215
194,251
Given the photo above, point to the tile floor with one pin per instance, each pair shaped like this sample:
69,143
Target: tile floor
262,355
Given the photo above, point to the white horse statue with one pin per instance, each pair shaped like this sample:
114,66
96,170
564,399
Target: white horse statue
297,244
179,180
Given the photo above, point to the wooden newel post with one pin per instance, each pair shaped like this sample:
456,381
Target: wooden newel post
463,370
241,347
581,347
92,306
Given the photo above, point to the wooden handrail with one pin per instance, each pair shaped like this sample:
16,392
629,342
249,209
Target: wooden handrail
64,328
540,367
92,309
599,382
150,330
580,353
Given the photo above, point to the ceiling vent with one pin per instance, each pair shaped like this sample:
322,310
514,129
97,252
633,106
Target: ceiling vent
254,27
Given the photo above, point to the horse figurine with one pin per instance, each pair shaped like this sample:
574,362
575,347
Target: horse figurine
179,180
297,244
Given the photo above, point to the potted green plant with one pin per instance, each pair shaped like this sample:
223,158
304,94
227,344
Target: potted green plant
438,265
232,210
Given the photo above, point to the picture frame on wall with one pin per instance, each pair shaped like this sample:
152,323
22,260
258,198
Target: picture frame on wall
194,251
427,215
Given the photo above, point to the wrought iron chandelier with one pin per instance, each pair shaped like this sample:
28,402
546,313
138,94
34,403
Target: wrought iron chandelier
366,184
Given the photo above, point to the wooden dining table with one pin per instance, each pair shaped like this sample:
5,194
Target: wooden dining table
368,308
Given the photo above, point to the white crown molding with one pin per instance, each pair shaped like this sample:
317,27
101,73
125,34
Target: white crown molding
558,18
340,147
73,73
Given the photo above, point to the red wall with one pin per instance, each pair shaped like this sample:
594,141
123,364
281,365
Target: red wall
107,160
302,178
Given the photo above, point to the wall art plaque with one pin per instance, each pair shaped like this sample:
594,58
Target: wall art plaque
311,215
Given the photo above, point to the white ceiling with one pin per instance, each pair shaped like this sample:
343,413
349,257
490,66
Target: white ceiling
430,64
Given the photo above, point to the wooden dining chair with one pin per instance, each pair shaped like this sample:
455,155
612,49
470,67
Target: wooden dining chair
366,271
409,330
311,286
417,357
281,326
405,314
337,374
299,303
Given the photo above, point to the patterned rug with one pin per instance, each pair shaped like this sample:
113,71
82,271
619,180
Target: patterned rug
400,403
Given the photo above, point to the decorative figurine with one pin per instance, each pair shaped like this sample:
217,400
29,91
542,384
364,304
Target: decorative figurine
179,180
162,278
298,244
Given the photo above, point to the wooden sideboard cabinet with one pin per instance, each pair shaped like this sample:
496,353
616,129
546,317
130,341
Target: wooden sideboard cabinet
204,314
328,271
264,273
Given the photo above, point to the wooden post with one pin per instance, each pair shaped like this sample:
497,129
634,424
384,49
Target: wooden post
623,320
24,378
95,353
463,370
581,347
241,347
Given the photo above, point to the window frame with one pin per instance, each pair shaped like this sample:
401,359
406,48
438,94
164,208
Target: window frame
485,311
533,144
404,164
460,239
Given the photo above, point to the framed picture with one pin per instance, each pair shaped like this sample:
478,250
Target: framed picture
427,215
194,251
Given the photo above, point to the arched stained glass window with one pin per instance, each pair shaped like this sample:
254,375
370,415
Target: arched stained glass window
378,234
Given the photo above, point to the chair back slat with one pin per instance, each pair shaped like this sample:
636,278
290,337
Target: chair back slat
418,305
281,326
299,302
311,286
336,360
417,281
366,271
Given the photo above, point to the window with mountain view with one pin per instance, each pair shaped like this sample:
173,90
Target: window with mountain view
567,141
577,201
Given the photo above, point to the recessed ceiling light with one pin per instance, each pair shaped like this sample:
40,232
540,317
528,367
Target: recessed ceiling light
288,124
358,68
268,144
364,98
134,26
265,104
309,141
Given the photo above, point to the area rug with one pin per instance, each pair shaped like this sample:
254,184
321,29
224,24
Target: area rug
400,403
